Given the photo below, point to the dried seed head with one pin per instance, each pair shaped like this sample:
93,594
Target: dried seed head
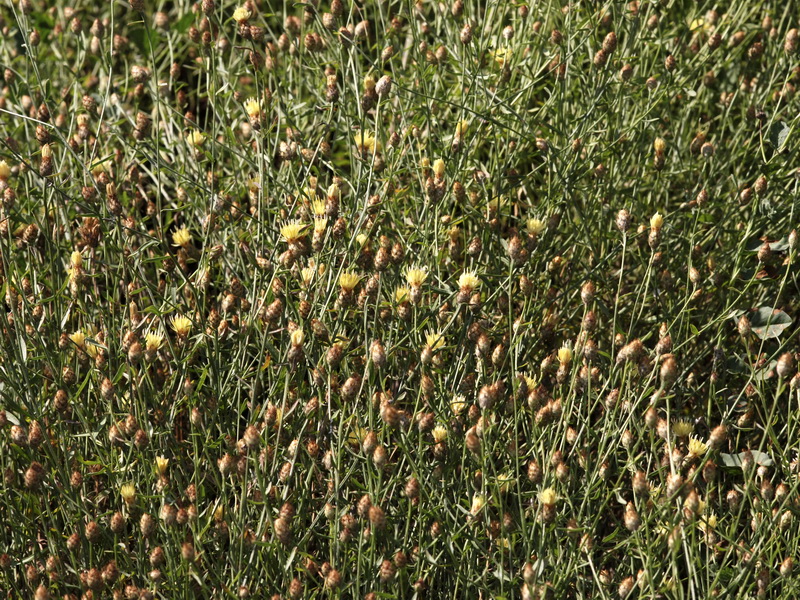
786,365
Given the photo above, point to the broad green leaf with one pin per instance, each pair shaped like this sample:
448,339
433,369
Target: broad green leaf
769,323
777,134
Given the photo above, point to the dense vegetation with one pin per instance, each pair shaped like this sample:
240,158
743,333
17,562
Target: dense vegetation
393,300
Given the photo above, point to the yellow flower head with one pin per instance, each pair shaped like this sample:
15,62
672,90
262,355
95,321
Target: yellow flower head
357,435
438,168
504,481
92,349
297,337
5,170
253,108
478,502
458,404
535,226
76,259
349,280
501,55
241,14
439,433
101,167
334,193
182,325
468,281
152,342
682,428
708,522
293,231
196,138
182,237
548,496
318,207
461,128
565,354
366,143
659,145
307,275
656,221
416,276
697,447
701,24
309,192
402,294
128,493
162,463
78,338
434,340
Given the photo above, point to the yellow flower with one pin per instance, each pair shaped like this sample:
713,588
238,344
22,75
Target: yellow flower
76,259
307,275
504,481
5,170
101,167
318,207
293,231
357,436
310,192
438,168
535,226
682,428
196,138
162,463
366,143
461,128
458,404
501,55
297,337
253,108
78,338
701,24
434,340
91,349
128,493
152,342
548,496
182,325
416,276
656,221
468,281
708,522
320,223
402,294
349,280
697,447
478,502
439,433
241,14
659,145
565,355
182,237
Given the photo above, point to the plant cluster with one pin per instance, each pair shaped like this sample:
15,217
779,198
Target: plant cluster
392,299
